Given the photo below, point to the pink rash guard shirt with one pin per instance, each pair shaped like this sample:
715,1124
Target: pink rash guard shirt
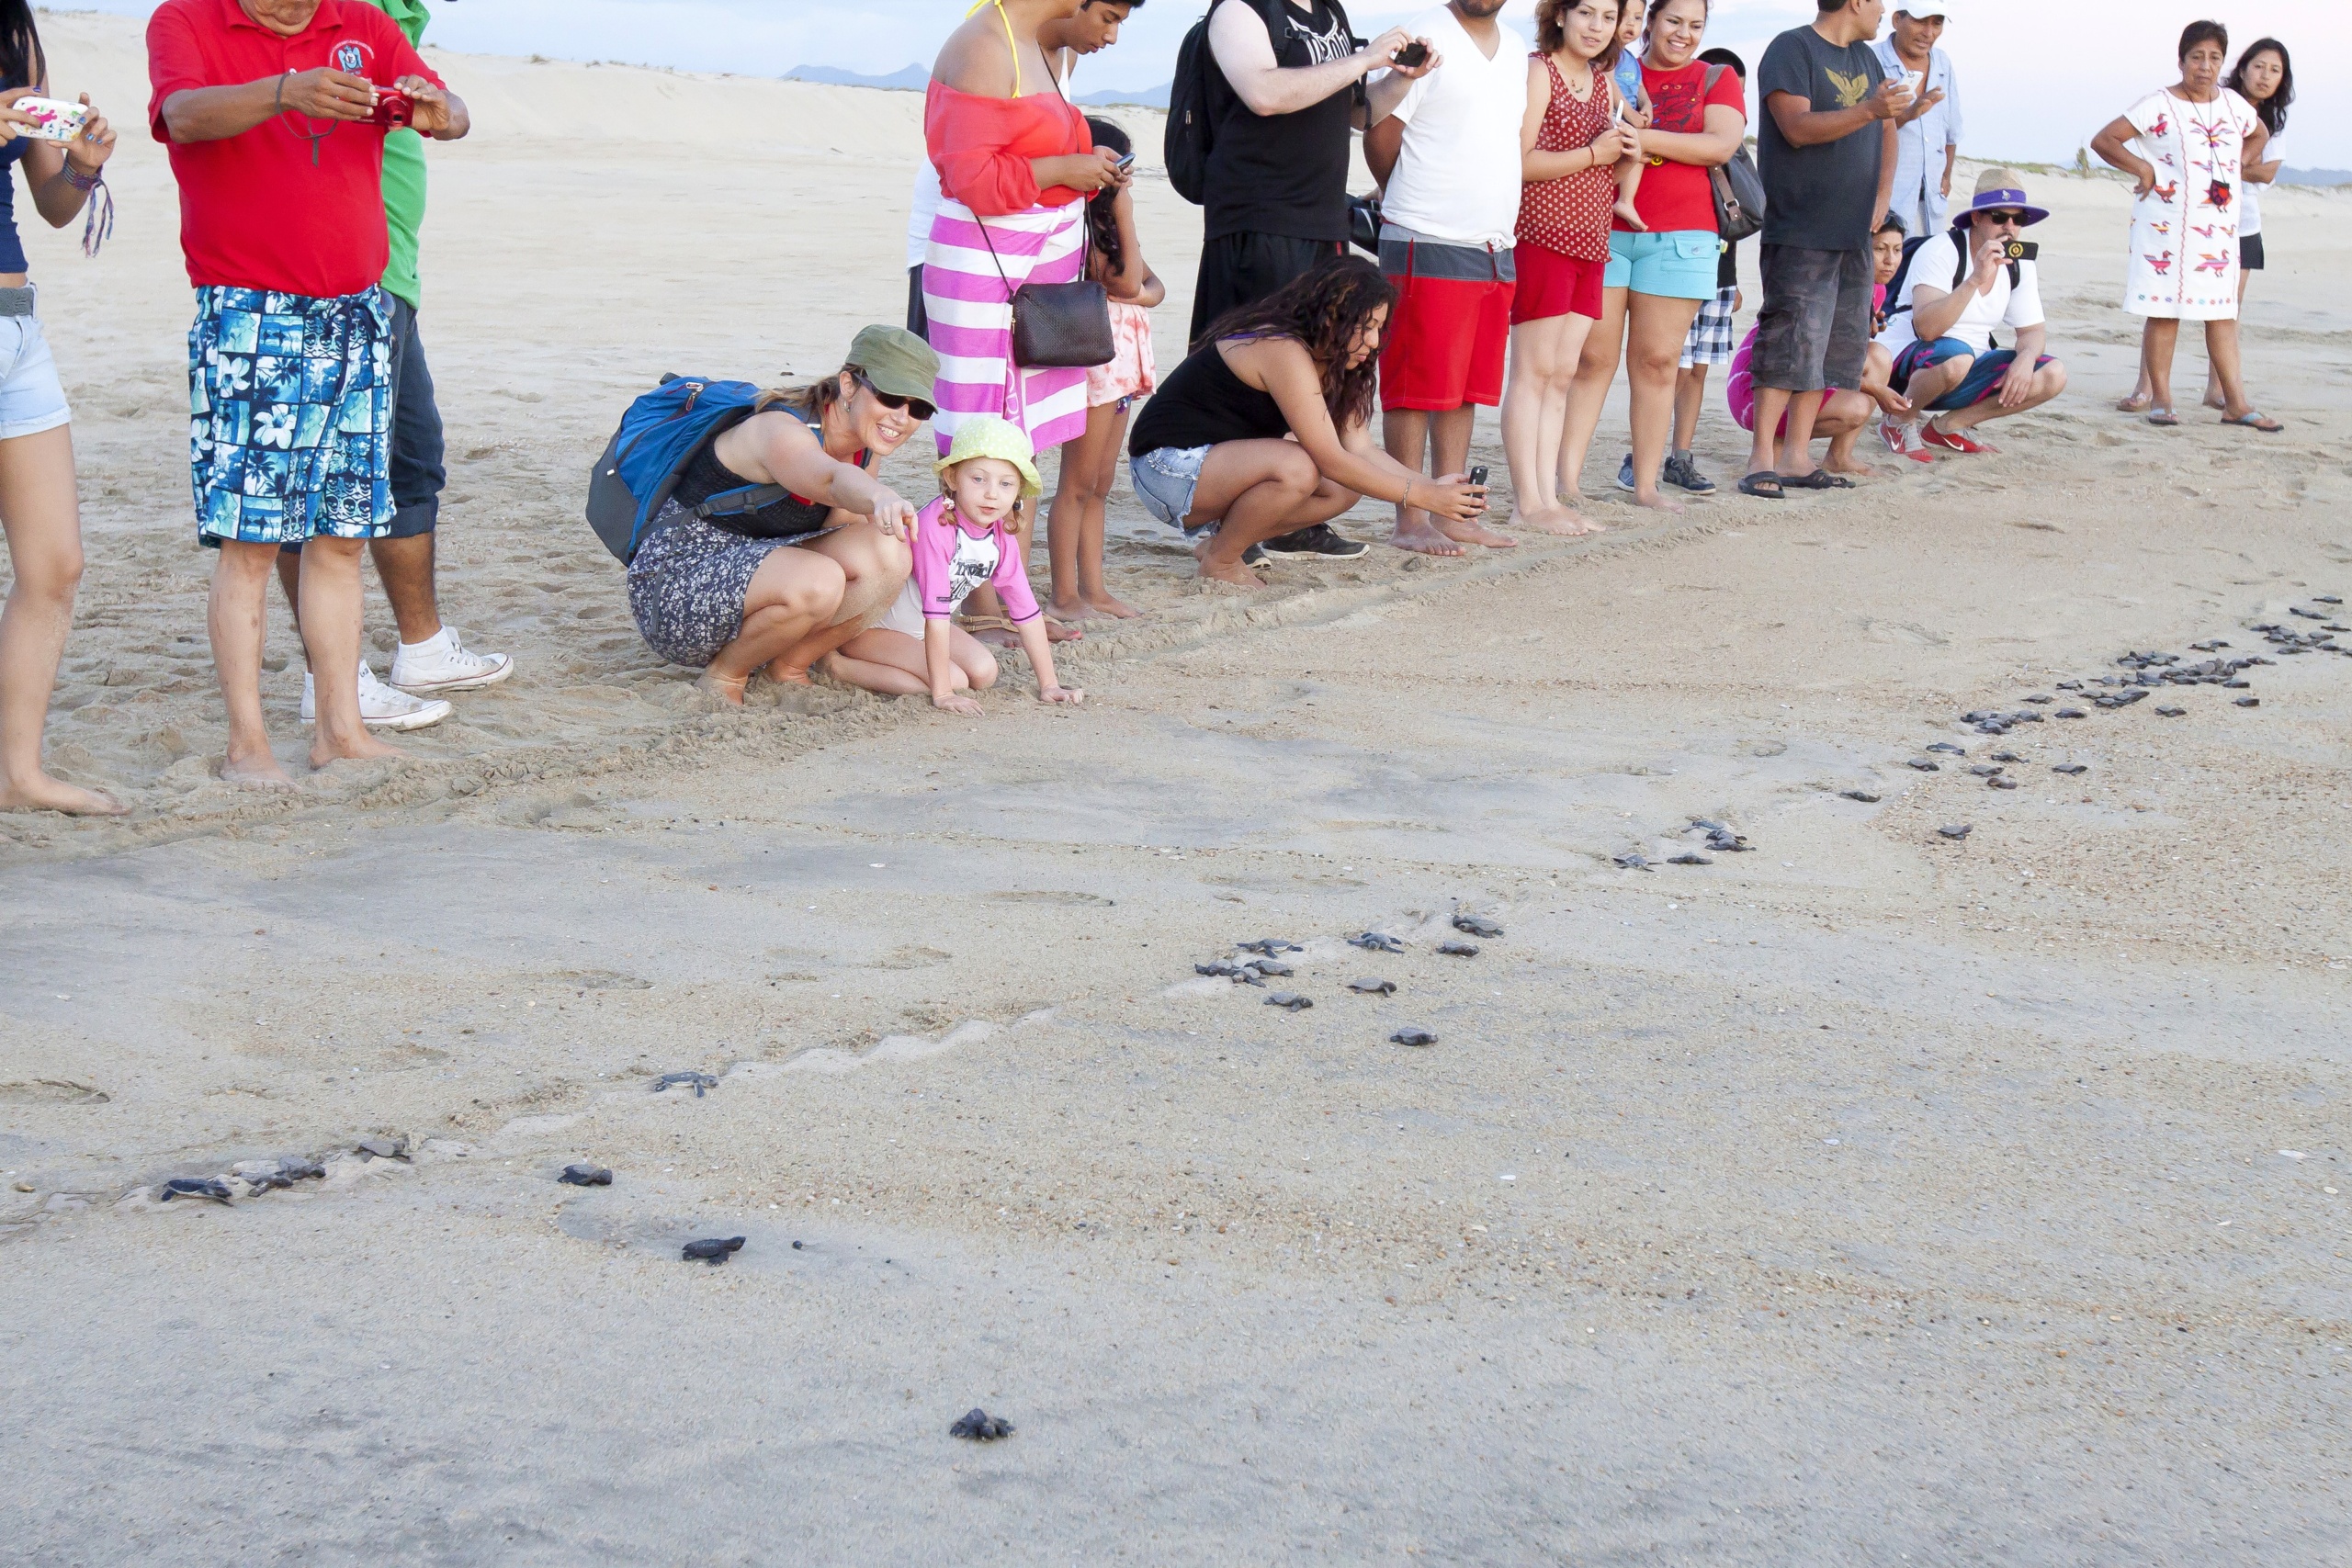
951,560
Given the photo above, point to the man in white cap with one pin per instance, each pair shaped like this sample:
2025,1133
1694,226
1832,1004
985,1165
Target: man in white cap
1927,143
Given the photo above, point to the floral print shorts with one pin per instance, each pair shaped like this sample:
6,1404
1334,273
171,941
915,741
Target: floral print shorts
291,416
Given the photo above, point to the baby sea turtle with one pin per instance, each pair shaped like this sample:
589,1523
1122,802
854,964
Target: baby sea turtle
700,1080
1412,1036
2321,599
2248,702
1633,860
1704,826
1865,797
382,1148
1248,977
1373,988
2307,614
1728,844
2007,757
1290,1002
1925,765
208,1187
1689,860
2070,685
2069,769
1948,749
1457,950
1270,946
977,1426
1476,925
1956,832
2163,712
713,1250
585,1176
1218,968
1273,966
2071,713
1986,770
2001,781
1376,942
2041,697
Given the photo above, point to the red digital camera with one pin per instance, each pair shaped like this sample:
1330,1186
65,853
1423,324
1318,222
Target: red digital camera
393,108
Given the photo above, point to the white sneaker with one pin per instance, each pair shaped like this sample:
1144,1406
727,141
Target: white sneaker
442,663
380,707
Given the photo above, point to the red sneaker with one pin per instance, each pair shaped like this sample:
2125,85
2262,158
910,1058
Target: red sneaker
1903,441
1953,440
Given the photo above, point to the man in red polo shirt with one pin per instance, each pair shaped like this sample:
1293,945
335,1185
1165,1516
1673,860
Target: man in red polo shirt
275,113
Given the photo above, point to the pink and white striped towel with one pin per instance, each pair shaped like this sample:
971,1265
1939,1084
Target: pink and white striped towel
970,306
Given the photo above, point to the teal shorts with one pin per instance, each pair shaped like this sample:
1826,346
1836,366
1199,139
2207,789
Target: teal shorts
1681,264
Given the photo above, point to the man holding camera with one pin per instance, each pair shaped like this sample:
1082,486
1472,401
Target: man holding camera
1940,328
276,112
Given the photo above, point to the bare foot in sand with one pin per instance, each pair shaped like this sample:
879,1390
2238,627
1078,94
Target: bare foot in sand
729,689
1561,520
989,634
1233,574
2138,403
362,747
1419,535
1477,533
1058,632
1854,465
2214,400
41,793
258,770
1103,607
783,674
1657,501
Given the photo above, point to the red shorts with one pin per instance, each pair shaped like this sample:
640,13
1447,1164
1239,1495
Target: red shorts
1447,337
1553,285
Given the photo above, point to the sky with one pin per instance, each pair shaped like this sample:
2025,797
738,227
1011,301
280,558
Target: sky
2038,77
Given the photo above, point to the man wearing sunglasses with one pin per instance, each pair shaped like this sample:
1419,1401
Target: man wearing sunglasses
1957,288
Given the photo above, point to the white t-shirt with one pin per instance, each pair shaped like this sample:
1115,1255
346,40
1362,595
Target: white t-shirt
1933,263
1457,178
2250,203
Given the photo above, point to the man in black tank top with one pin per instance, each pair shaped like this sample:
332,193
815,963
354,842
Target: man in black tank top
1283,90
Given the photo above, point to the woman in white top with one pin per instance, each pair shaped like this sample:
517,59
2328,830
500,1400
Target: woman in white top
2266,79
2190,140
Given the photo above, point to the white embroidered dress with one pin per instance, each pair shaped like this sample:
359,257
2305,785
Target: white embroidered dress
2184,260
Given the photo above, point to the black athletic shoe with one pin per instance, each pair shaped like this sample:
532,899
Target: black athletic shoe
1253,556
1319,540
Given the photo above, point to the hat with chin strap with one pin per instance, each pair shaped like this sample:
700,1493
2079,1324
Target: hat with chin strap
2006,187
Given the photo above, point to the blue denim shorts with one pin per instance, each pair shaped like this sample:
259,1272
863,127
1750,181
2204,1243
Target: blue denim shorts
1679,264
1164,479
291,416
31,400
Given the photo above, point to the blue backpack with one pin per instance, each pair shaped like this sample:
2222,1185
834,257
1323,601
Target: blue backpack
660,435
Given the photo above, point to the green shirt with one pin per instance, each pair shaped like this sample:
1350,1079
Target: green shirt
405,172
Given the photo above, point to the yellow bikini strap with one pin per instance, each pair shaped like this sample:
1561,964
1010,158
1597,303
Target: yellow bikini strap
1009,43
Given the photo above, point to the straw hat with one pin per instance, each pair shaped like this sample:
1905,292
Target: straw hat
2006,187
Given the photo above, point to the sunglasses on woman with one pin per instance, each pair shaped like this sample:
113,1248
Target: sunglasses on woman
892,400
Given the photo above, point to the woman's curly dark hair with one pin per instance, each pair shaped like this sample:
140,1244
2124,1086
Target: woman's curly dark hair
1323,312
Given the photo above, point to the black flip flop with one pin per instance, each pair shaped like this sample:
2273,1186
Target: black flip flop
1753,484
1820,478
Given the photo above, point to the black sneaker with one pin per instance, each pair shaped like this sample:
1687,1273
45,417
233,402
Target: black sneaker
1319,540
1683,470
1253,556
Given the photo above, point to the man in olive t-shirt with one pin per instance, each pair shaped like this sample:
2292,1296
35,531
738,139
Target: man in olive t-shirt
1826,148
431,660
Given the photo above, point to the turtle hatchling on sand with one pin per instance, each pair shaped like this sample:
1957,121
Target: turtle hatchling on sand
2248,702
713,1250
2071,713
1631,862
701,1081
977,1426
1956,832
1410,1036
2001,781
1457,950
1689,860
1865,797
1986,770
208,1187
1925,765
1221,969
1273,966
585,1176
1476,925
1290,1002
1270,946
1948,749
2069,769
1373,988
1376,942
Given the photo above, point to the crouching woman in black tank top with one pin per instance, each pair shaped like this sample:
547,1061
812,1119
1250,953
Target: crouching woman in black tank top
787,583
1210,455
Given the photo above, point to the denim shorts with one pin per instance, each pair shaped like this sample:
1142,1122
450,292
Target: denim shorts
31,400
1164,479
1681,264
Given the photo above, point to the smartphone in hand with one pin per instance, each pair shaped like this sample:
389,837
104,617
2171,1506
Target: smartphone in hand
1413,54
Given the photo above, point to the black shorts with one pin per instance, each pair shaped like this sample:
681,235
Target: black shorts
2249,253
1814,329
1241,269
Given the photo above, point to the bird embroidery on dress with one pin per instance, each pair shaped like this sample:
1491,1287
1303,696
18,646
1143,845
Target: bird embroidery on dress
2217,263
2212,132
1850,90
2204,230
2165,193
2161,266
2162,127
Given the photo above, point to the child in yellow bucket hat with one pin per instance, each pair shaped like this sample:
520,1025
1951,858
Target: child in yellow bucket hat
960,543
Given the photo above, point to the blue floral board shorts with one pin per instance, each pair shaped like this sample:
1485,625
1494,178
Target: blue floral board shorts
291,416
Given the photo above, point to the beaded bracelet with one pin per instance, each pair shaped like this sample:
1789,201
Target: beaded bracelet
83,182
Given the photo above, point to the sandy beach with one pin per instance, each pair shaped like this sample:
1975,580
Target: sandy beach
1863,1195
